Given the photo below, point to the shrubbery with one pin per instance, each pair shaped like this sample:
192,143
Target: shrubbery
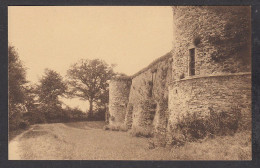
21,119
16,117
45,114
193,127
98,115
57,114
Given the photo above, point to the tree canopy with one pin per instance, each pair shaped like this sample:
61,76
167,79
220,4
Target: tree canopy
16,88
16,77
51,87
88,79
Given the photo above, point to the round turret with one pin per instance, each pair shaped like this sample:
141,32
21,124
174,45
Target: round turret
212,62
119,88
210,40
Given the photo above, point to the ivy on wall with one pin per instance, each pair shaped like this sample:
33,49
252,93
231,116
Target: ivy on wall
235,40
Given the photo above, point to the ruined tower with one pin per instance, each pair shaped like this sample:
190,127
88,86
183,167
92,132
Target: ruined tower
119,88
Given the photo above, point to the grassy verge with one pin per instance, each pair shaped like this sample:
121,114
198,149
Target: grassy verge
141,132
236,147
14,133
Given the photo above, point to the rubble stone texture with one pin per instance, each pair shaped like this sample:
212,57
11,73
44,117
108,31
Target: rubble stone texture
119,89
149,87
220,93
222,36
167,90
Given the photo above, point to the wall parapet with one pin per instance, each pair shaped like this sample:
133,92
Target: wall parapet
210,76
117,78
160,59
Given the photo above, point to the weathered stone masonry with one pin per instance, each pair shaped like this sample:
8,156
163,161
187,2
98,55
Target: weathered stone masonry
208,67
218,92
143,103
215,35
221,81
149,92
119,89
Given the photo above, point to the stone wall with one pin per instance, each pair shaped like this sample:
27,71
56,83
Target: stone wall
219,92
149,89
220,36
119,89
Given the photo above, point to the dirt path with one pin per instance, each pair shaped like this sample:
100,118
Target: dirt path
14,148
14,153
79,141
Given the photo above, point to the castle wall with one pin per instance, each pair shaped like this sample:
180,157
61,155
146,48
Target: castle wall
219,92
149,89
118,98
220,36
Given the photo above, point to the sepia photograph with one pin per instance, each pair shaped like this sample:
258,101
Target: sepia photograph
129,83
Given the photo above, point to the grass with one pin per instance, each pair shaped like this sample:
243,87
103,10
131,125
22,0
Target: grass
237,147
34,133
141,132
86,124
116,127
14,133
73,142
67,142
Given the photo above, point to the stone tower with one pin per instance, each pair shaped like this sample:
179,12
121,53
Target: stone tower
212,60
119,88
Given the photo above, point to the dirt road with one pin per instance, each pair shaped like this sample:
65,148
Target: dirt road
78,141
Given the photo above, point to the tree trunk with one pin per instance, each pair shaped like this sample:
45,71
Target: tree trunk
90,108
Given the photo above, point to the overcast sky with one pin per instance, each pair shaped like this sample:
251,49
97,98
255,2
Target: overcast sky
56,37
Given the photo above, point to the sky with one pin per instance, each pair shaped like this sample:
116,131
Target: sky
55,37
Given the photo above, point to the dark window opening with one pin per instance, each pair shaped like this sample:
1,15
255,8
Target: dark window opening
153,111
150,94
192,62
150,89
151,83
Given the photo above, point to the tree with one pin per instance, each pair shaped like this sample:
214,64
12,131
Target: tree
34,113
16,88
31,97
89,81
51,87
16,77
